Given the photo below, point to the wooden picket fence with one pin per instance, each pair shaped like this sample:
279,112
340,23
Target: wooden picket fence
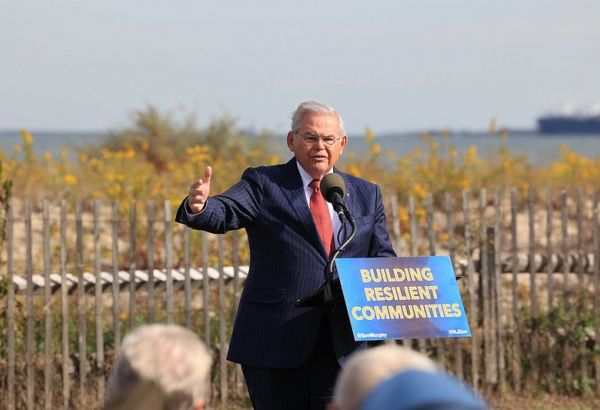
76,280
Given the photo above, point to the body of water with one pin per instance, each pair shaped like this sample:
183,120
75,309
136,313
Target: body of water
52,141
539,148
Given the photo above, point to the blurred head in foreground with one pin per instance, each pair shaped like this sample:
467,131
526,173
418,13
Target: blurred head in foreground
396,378
167,362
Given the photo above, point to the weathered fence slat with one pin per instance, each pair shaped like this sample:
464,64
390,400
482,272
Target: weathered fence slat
596,244
414,235
414,243
10,309
222,324
150,262
472,294
187,290
235,258
565,245
485,299
116,283
64,287
439,343
169,261
449,208
516,354
205,290
580,246
81,305
532,283
205,298
582,290
567,357
99,306
132,265
549,249
48,354
551,342
396,235
396,225
497,291
430,232
29,304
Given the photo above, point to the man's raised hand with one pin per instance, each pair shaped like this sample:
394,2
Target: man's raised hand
199,192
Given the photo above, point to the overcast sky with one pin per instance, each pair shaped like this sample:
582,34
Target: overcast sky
394,65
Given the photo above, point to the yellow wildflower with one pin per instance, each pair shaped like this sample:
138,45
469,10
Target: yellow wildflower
369,135
375,149
26,137
70,179
403,215
129,153
420,191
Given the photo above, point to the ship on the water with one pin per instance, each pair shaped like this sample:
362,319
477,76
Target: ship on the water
569,124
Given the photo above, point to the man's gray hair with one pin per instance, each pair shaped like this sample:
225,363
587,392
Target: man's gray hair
367,368
312,106
169,355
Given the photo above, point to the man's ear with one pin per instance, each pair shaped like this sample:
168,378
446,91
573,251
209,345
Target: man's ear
344,141
290,141
331,406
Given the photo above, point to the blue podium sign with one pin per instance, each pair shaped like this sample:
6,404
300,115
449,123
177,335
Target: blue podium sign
402,298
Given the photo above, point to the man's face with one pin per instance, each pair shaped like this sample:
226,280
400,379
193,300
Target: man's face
314,154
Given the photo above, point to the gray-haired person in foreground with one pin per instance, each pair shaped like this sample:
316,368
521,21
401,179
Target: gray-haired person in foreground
166,366
392,377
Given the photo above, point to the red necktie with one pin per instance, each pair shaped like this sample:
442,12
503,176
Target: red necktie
321,216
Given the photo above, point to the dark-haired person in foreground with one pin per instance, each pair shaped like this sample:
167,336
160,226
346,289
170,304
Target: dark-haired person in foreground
291,355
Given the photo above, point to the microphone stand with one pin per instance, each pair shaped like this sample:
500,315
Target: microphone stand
328,297
325,297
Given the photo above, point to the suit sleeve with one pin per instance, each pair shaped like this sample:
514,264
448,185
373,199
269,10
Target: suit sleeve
234,209
380,241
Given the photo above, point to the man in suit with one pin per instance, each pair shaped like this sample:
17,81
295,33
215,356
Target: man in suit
291,355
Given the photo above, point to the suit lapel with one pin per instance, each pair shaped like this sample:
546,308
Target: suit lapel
293,190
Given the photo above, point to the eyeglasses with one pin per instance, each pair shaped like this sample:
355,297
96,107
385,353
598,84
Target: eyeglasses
310,139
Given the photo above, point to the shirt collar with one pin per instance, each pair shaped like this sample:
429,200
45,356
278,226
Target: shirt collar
306,178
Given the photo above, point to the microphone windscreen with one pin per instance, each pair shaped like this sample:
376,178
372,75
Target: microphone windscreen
332,183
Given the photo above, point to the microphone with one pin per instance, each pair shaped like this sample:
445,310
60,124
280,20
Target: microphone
333,189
